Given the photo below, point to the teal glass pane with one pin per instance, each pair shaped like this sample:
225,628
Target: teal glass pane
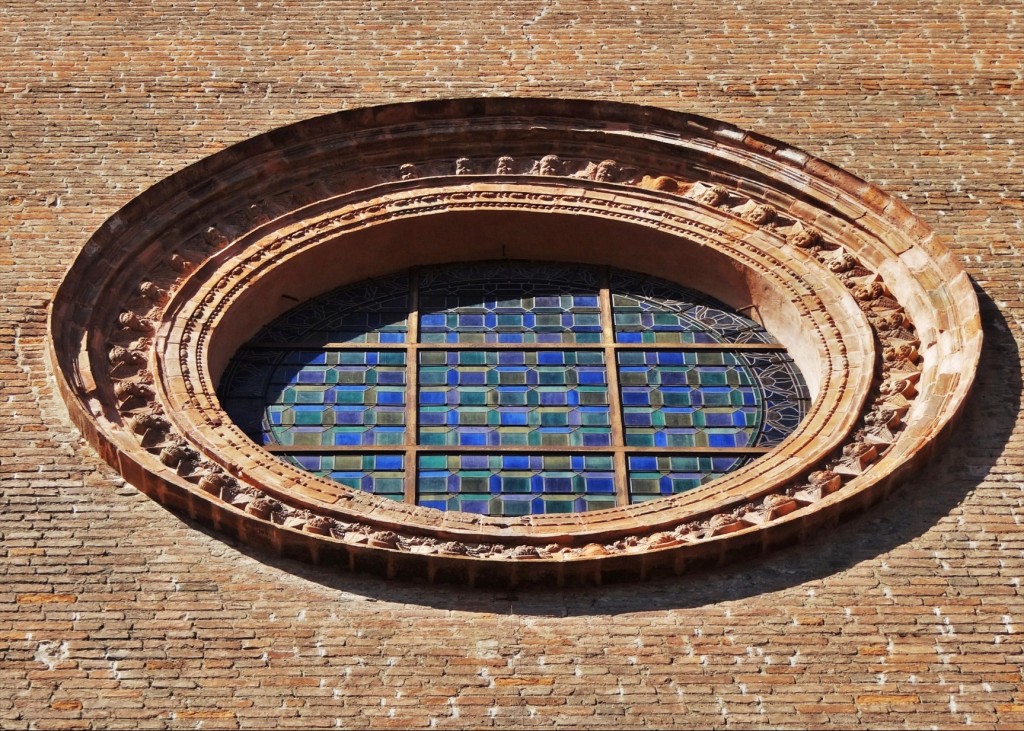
379,474
654,476
510,302
514,398
516,484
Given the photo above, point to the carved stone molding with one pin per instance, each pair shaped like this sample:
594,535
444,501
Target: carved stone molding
879,317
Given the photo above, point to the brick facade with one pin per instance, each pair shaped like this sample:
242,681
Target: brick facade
117,613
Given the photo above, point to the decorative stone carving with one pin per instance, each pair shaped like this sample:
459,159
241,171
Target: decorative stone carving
882,418
453,548
772,507
139,386
384,539
874,297
722,524
549,165
709,195
119,356
593,550
759,214
176,453
257,215
506,166
900,387
263,507
319,524
631,543
132,355
840,262
856,457
663,540
146,422
214,237
131,321
179,263
607,171
880,436
237,498
662,182
804,238
893,325
525,553
903,353
215,482
152,293
827,480
819,484
895,373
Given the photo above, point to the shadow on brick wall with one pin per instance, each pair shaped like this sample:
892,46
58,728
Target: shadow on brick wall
929,503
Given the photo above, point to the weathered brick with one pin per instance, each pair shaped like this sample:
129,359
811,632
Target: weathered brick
122,614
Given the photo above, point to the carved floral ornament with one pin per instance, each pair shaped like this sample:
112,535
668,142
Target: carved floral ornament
878,315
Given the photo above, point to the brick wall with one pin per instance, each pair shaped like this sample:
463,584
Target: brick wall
116,613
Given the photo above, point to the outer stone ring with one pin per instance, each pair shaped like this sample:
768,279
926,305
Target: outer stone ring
881,320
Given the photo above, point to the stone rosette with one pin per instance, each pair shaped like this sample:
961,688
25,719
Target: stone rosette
880,318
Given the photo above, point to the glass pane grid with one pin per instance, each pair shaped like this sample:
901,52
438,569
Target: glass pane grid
505,396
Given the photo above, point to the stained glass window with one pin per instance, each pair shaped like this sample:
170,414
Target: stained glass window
515,388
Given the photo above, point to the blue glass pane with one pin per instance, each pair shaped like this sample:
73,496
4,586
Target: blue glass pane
323,398
688,399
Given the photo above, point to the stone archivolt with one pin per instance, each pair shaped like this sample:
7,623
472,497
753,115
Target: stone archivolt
884,312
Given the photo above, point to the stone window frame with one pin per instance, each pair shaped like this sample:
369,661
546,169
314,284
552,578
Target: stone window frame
879,317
